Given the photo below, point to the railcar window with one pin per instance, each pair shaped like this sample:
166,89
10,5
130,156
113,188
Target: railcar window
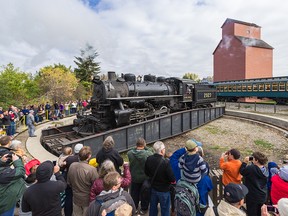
225,88
239,87
261,87
267,86
230,88
221,88
218,88
274,86
287,86
255,87
244,87
249,87
281,86
234,88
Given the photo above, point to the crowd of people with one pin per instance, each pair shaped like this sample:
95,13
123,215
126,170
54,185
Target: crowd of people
81,183
11,118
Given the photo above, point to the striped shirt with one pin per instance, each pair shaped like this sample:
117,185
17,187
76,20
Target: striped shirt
192,167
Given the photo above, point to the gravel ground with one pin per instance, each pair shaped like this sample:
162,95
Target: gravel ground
226,133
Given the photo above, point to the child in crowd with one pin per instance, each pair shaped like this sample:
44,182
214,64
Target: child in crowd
67,151
191,164
31,166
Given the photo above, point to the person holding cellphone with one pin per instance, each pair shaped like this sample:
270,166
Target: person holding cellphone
255,175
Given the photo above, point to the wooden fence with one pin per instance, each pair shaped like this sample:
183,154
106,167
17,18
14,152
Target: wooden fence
217,193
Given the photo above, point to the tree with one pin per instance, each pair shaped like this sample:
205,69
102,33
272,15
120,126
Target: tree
17,87
191,76
58,83
207,79
87,67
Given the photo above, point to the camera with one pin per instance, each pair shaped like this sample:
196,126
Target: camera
272,209
9,157
54,162
250,158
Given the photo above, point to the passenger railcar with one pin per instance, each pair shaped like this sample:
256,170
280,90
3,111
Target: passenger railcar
275,88
125,100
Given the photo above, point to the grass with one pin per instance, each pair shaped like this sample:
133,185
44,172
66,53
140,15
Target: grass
215,130
217,147
247,107
264,144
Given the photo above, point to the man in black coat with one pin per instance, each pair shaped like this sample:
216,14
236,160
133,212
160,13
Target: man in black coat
43,198
163,178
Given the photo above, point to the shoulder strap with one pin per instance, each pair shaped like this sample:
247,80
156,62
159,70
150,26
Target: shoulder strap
215,211
160,162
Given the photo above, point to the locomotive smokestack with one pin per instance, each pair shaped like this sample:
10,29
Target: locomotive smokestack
111,75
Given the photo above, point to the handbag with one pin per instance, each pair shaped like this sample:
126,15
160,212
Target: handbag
147,184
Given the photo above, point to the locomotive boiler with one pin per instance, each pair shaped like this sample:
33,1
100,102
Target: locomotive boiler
125,100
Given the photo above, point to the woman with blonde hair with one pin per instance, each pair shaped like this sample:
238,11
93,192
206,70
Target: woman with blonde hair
106,167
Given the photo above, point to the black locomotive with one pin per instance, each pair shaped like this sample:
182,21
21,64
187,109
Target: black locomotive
126,100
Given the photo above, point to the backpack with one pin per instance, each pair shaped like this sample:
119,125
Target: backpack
186,198
115,206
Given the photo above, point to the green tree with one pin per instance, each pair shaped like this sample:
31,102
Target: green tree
58,83
17,87
86,65
191,76
208,79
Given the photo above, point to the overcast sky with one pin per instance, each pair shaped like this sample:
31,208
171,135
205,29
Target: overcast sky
161,37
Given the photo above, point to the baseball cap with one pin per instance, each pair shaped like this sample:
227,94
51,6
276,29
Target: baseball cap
190,145
77,148
233,193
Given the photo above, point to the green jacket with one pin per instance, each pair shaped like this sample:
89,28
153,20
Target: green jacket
137,159
12,184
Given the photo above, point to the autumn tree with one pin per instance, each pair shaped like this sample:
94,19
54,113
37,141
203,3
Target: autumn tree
191,76
17,87
58,83
87,67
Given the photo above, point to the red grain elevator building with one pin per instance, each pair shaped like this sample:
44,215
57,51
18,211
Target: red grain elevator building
241,54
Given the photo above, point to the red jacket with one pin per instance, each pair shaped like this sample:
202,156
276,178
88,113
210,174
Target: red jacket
279,189
97,186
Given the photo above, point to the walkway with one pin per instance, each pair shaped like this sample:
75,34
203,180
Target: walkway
33,144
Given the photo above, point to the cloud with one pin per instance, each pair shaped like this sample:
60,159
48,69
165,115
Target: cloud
163,37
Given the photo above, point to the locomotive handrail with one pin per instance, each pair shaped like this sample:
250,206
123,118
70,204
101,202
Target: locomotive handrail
143,97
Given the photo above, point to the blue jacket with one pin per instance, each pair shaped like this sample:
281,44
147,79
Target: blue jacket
174,159
204,186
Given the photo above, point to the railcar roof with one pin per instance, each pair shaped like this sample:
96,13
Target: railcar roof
282,78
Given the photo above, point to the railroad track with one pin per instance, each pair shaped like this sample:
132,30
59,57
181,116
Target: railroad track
277,123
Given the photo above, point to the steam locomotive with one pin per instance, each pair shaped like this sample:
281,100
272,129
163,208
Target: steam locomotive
126,100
